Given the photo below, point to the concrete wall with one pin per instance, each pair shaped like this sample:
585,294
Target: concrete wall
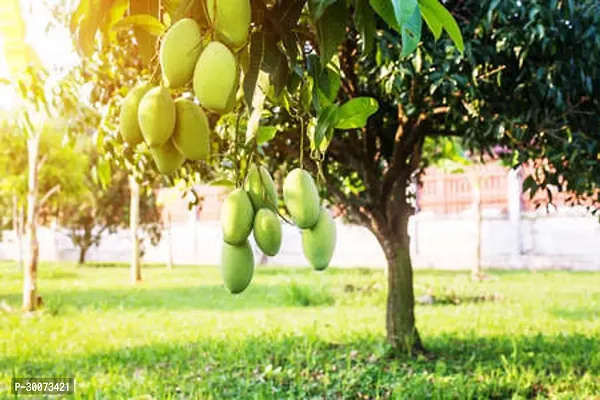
568,238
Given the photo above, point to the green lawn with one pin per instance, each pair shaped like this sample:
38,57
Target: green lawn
296,333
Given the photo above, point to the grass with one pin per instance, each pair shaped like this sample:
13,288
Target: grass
297,334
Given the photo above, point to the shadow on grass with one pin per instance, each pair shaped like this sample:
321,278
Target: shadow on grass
302,367
577,314
201,297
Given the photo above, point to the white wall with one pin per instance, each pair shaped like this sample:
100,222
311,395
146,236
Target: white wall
566,239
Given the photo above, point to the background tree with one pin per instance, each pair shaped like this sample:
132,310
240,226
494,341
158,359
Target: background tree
526,78
104,209
56,183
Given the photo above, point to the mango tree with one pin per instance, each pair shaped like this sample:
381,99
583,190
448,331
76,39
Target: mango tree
347,91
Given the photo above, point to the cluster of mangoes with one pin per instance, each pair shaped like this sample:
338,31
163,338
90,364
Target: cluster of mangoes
178,129
253,209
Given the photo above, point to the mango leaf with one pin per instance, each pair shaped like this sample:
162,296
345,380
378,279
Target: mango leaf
325,123
355,113
385,9
223,182
111,13
435,11
145,22
257,51
104,173
404,10
266,133
411,32
319,7
432,20
331,29
146,41
365,20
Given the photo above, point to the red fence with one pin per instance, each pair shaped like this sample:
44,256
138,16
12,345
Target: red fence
448,193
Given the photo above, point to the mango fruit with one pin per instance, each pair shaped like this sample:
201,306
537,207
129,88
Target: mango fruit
179,51
192,131
216,78
231,19
318,243
167,158
128,115
156,116
301,198
237,217
237,266
267,231
261,188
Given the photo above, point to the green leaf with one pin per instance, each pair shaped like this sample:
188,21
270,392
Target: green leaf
146,41
432,20
385,9
266,133
145,22
325,123
365,20
411,33
435,11
331,29
319,7
355,113
404,10
104,173
257,51
223,182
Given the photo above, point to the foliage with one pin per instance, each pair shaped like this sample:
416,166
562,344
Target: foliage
104,209
65,183
175,338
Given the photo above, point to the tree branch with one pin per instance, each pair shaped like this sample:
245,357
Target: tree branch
48,194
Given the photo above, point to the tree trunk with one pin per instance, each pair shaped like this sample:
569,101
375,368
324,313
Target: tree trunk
30,300
170,242
82,253
17,222
136,266
476,271
393,236
401,329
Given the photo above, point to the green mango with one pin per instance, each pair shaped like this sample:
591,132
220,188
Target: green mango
167,158
216,78
319,242
179,51
237,217
231,19
237,266
192,131
128,115
301,198
267,231
156,116
261,188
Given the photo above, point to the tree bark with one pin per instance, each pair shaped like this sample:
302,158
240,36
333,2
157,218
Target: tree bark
82,253
17,222
170,242
401,328
30,300
136,266
476,270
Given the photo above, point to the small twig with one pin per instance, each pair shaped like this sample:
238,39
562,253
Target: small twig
48,194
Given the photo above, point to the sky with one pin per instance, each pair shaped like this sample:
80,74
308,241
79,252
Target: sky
54,48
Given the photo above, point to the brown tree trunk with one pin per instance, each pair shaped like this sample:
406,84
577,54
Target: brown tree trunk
476,270
30,301
82,253
170,242
401,328
136,266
